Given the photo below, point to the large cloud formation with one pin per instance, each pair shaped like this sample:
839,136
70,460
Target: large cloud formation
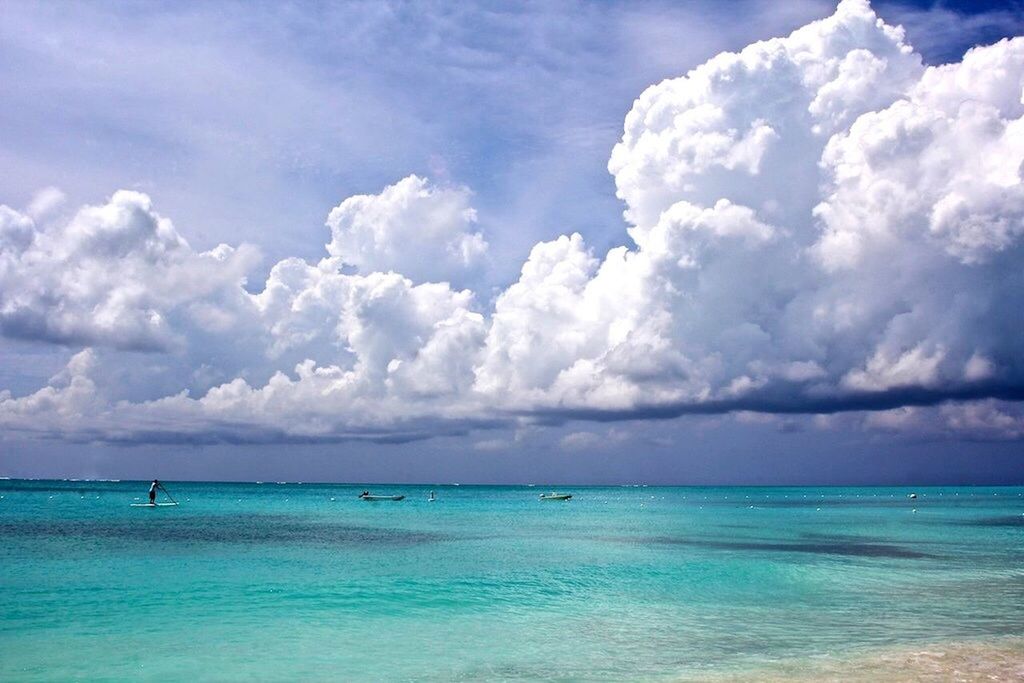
820,223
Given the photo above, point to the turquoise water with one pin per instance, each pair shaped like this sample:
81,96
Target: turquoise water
305,581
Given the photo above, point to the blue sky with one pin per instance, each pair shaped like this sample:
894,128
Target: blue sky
247,123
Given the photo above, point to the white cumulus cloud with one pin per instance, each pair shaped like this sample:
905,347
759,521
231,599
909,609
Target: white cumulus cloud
415,228
112,274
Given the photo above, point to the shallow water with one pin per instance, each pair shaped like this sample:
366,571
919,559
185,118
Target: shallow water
287,581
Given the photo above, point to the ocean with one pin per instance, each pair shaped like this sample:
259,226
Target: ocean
296,581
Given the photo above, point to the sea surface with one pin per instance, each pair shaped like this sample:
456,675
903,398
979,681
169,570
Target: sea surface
307,582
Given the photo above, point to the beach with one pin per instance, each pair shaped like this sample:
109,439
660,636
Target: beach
1001,659
277,581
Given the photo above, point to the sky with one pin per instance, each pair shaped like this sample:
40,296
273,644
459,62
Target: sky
690,243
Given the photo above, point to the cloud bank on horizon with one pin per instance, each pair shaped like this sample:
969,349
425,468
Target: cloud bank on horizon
820,224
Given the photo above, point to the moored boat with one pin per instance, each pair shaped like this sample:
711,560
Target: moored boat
555,496
366,495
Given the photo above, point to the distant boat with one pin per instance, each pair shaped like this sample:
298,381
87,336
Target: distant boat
369,496
555,496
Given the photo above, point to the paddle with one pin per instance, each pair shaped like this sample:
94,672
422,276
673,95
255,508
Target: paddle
167,494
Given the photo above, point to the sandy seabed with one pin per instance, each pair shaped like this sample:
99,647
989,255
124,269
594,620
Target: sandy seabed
992,660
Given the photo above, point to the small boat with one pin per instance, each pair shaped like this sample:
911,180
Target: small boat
555,496
370,496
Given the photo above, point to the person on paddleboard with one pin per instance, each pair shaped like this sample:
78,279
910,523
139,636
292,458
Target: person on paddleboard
152,491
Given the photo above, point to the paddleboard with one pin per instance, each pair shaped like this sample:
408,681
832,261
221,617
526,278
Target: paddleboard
152,505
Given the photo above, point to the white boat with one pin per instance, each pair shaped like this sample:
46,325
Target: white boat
370,496
555,496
